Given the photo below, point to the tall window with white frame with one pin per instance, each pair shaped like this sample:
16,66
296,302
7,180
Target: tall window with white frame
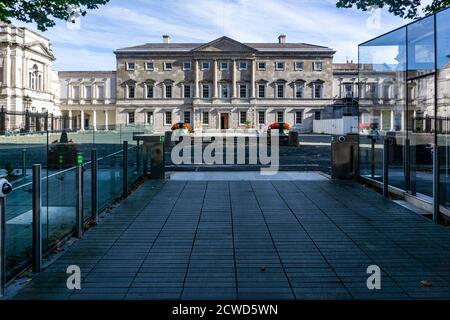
261,90
280,116
205,91
317,90
101,92
261,117
205,118
168,90
298,117
243,92
150,91
242,117
150,120
299,90
279,90
168,118
76,92
88,92
131,117
224,90
131,91
187,117
187,92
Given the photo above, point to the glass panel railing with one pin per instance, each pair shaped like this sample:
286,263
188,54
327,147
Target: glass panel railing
87,191
109,177
134,172
59,207
18,230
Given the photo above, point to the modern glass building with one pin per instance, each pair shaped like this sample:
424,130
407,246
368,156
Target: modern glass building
404,79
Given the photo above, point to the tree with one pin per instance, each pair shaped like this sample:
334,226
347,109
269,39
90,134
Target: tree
408,9
42,12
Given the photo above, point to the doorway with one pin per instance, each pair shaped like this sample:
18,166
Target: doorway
224,121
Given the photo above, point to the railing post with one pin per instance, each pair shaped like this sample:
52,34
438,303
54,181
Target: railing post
24,162
94,185
125,169
137,156
436,196
385,167
372,157
37,224
2,246
79,186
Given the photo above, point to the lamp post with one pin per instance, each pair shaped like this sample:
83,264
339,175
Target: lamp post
26,105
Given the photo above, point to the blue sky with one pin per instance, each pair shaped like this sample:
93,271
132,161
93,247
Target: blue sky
89,45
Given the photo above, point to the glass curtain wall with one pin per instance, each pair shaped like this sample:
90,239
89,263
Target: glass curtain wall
404,99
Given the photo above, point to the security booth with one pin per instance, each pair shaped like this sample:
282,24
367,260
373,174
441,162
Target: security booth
344,156
153,155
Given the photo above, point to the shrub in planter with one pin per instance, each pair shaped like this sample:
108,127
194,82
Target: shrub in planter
62,153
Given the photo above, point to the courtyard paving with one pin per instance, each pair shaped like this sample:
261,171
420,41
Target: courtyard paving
291,239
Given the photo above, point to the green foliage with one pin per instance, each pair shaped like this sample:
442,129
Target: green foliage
42,12
10,171
408,9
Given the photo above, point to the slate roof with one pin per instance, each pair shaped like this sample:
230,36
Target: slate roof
186,47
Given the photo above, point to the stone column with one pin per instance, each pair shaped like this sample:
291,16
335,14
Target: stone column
13,71
233,79
403,121
7,68
106,120
215,89
70,120
197,87
94,119
82,120
252,79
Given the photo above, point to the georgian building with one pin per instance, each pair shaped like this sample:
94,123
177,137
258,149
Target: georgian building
87,99
27,80
223,84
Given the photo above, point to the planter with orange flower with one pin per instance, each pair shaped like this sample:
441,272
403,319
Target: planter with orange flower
181,129
283,131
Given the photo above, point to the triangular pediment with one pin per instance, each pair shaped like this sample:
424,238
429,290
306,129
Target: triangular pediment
40,48
224,44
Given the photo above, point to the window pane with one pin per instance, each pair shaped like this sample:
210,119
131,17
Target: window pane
168,91
383,59
149,91
205,117
261,117
421,47
280,116
187,117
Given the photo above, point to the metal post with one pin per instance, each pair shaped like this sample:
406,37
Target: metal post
372,159
37,225
125,169
137,156
24,162
79,213
407,164
385,167
94,185
436,196
2,247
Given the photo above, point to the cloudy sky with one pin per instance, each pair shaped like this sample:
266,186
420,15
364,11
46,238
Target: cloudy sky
89,44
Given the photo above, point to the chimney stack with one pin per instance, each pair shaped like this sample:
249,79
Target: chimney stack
282,38
166,39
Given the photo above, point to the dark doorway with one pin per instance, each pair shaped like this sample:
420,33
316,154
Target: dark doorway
224,121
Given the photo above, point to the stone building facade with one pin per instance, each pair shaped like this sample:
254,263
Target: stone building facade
87,99
28,82
223,84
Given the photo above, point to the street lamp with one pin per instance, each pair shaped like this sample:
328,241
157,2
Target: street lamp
26,104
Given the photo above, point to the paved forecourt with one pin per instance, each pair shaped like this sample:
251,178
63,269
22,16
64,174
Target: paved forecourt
254,239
